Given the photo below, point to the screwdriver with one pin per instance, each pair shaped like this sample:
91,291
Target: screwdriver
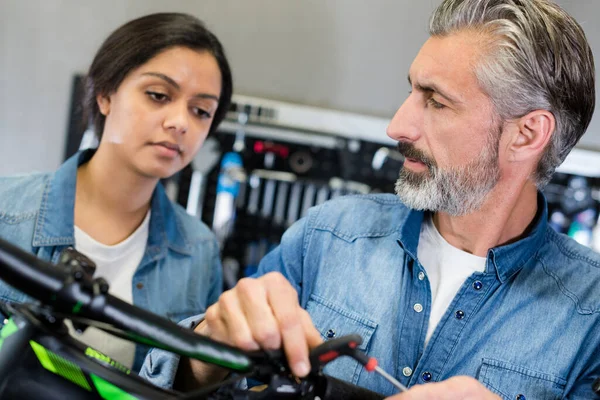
347,345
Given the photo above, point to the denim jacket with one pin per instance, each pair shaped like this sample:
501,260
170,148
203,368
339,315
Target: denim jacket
528,325
180,272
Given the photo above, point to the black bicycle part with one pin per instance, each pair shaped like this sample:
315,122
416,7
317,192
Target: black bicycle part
66,292
42,361
69,291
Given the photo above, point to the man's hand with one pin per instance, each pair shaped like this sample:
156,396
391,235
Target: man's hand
260,313
456,388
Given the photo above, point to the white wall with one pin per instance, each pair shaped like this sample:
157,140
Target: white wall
350,55
587,12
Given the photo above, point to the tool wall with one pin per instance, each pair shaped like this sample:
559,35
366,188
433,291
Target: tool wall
261,185
573,207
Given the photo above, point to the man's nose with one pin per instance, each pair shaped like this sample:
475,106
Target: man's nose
407,123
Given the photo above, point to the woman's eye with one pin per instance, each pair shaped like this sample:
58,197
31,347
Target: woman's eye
203,114
156,96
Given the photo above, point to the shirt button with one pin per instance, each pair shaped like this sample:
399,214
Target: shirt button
426,376
406,371
520,397
330,333
460,314
139,285
421,275
418,307
477,285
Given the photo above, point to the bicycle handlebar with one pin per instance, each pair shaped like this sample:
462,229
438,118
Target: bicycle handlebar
70,291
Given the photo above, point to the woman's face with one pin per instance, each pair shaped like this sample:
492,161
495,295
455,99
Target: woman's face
162,112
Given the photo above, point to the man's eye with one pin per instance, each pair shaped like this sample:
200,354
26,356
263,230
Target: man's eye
159,97
435,104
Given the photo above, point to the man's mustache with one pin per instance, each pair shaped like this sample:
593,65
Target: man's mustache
408,150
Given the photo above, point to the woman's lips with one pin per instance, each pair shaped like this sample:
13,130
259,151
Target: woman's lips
167,149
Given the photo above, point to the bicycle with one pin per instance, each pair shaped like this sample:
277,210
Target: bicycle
39,359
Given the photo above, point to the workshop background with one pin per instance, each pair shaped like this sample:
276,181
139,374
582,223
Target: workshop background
315,83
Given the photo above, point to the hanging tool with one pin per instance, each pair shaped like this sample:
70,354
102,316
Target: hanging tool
204,160
383,154
308,199
322,195
282,192
227,191
294,203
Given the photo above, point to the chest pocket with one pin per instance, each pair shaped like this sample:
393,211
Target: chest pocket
333,321
511,382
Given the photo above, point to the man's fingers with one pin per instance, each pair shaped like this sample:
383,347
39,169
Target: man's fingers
455,388
259,315
427,391
264,313
237,330
283,300
212,326
313,337
295,345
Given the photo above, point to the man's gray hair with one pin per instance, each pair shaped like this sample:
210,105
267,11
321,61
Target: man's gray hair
536,56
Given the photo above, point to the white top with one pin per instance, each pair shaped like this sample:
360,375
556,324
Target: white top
116,264
446,267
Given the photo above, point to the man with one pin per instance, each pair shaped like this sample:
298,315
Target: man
459,274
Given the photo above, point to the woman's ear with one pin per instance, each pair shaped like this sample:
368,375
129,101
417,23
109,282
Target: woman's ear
532,134
103,104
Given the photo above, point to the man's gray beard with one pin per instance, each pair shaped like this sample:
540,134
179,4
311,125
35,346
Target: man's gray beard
456,191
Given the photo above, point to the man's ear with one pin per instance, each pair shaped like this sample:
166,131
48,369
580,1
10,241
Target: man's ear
531,135
103,102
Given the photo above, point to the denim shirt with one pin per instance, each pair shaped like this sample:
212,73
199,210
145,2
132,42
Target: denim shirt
528,325
180,272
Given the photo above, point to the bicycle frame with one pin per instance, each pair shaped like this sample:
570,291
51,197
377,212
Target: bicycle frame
42,363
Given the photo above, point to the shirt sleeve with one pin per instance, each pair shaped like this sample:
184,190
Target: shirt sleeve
288,257
216,286
160,366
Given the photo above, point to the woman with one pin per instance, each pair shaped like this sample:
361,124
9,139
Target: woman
156,88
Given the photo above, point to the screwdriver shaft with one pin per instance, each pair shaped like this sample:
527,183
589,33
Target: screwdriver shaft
391,379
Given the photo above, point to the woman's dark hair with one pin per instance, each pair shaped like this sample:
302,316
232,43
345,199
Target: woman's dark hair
136,42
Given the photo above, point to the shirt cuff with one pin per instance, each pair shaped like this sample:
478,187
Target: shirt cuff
160,366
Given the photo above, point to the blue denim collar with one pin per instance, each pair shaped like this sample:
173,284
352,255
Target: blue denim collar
55,221
510,258
505,260
410,232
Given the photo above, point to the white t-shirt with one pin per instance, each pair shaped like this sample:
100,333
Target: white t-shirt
447,269
116,264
